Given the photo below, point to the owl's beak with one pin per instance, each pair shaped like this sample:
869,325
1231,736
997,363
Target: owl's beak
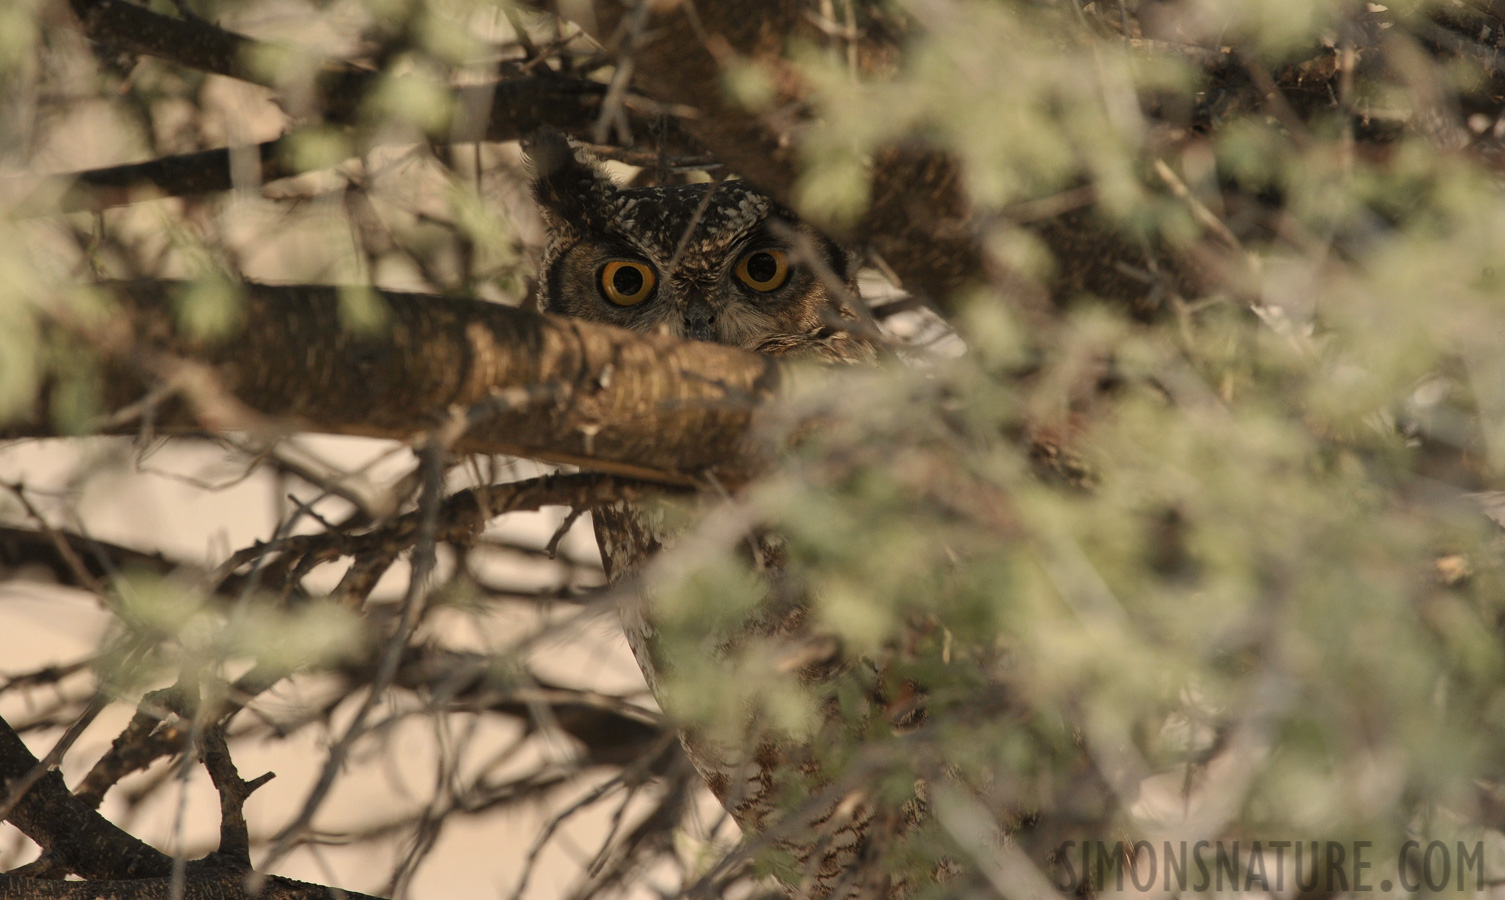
699,319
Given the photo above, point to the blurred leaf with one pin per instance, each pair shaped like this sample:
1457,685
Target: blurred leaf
209,308
362,311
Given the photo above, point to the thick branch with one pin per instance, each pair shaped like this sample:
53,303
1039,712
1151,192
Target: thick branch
197,44
71,832
199,883
501,111
22,548
498,379
82,841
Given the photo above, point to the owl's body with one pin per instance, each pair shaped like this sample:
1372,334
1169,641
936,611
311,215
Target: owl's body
720,263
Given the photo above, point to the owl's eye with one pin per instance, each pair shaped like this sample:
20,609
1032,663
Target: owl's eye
626,283
763,270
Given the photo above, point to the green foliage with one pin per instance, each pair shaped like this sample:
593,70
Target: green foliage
423,103
1267,548
18,33
187,630
20,366
362,310
1222,534
209,309
315,148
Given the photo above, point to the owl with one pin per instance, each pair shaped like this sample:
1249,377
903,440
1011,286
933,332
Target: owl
722,263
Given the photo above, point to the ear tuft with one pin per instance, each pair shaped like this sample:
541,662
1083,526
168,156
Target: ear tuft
547,150
571,190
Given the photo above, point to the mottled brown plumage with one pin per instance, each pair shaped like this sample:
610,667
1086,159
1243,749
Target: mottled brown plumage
722,263
703,257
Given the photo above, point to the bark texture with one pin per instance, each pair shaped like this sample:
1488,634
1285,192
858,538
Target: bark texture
81,840
502,380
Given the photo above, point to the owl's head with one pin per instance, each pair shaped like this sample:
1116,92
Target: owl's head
733,269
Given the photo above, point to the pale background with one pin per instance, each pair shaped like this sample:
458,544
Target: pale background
146,503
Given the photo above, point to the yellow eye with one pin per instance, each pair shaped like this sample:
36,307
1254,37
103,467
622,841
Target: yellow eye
763,270
626,283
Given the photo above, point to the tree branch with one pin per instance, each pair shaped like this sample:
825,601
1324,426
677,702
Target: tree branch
82,841
497,379
200,883
461,516
196,44
71,832
503,110
21,548
512,108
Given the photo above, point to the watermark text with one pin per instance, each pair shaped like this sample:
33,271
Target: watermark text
1270,866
